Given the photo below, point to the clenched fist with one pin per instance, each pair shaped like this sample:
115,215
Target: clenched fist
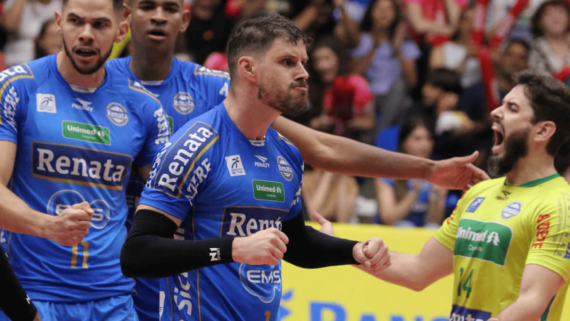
263,247
373,254
71,225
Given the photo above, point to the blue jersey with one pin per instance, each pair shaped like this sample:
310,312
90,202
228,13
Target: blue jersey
220,184
188,91
75,145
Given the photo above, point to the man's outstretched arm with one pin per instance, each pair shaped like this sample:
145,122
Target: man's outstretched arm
346,156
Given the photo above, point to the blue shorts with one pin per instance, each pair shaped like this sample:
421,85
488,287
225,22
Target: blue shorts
119,308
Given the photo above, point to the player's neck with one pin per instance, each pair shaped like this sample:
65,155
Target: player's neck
530,168
250,116
150,66
73,77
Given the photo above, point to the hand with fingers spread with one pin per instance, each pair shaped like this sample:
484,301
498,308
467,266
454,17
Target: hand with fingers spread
372,254
263,247
71,225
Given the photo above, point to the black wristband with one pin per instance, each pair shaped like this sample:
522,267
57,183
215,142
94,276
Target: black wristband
13,299
309,248
151,251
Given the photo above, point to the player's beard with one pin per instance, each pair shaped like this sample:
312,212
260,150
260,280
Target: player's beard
515,148
281,100
88,70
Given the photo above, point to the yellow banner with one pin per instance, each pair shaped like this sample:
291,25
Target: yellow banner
348,294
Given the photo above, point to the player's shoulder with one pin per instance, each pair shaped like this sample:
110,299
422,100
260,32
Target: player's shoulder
286,146
132,90
118,63
27,75
201,72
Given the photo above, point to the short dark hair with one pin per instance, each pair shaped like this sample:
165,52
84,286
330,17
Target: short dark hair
117,4
550,101
446,79
257,35
535,27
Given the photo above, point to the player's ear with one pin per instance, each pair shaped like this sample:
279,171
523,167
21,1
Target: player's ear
127,12
58,17
186,16
247,69
544,131
123,30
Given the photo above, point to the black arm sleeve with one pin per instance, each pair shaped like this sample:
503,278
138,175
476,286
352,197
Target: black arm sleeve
151,251
13,299
309,248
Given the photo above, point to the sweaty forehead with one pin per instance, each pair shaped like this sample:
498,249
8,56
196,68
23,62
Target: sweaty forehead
136,2
96,9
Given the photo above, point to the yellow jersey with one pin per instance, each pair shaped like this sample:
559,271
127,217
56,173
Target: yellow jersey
497,229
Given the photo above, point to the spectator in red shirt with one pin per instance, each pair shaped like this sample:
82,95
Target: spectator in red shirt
433,20
346,101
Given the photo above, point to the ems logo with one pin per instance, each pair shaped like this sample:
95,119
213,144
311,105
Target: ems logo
183,103
117,114
235,166
284,168
511,210
474,205
45,103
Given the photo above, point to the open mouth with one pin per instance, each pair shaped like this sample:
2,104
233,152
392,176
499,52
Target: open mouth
157,33
85,52
499,138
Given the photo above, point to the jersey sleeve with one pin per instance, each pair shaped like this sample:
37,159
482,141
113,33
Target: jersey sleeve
299,170
448,230
215,85
157,133
180,170
13,99
550,237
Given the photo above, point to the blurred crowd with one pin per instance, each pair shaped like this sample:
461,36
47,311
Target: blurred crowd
414,76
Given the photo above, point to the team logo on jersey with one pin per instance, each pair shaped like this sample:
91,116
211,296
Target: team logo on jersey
284,168
45,103
566,256
235,166
63,199
474,205
460,313
262,163
117,114
82,105
86,132
179,162
511,210
262,281
183,103
78,165
487,241
268,191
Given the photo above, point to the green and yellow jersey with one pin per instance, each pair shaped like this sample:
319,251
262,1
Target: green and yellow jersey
497,229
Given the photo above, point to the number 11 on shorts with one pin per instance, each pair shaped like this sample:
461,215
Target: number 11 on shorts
74,254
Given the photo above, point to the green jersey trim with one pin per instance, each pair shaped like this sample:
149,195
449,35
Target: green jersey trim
544,316
535,182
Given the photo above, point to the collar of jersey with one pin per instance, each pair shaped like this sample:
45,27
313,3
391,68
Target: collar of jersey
53,66
534,182
173,67
233,127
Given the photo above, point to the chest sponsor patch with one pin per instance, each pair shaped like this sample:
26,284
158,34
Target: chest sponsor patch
117,114
284,168
86,132
487,241
246,220
511,210
268,191
79,165
183,103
